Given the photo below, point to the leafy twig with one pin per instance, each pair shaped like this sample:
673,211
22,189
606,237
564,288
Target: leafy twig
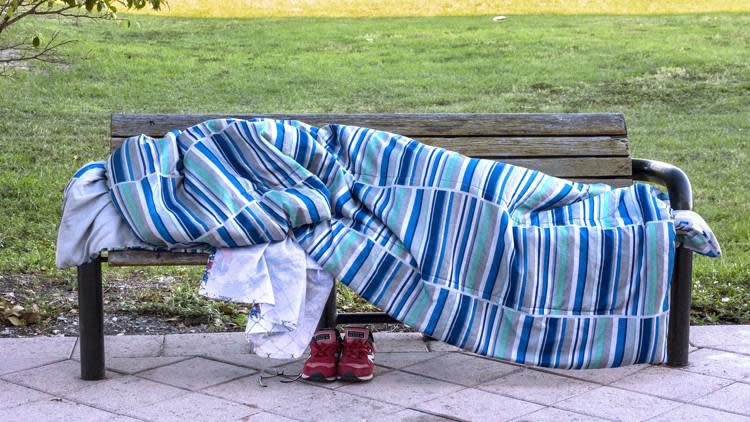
13,11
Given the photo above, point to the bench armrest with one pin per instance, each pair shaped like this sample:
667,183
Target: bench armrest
680,198
676,181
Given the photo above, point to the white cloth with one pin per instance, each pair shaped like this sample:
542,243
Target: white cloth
287,288
90,223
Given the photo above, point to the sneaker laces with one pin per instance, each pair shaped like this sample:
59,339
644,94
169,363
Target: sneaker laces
285,378
319,350
357,349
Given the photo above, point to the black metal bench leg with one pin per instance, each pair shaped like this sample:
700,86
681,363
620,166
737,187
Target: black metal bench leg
678,337
680,198
91,320
330,313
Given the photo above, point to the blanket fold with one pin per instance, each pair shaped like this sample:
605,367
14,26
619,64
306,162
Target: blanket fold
496,259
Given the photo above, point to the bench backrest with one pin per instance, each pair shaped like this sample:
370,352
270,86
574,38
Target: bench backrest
588,147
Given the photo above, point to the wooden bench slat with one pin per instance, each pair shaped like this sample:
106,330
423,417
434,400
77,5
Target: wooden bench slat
413,125
520,146
133,257
481,147
614,182
577,166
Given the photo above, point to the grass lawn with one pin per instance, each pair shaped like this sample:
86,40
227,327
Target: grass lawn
683,82
362,8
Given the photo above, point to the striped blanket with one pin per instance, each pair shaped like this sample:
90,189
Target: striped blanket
493,258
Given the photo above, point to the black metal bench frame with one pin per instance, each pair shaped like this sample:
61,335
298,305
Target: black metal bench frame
91,313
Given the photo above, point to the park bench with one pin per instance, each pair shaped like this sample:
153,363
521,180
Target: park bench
591,147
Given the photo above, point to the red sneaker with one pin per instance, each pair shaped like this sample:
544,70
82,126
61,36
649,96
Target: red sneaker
324,352
357,355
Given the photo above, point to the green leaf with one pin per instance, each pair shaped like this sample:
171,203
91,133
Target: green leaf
90,5
36,41
108,4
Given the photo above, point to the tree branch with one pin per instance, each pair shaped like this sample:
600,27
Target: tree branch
13,11
23,51
33,10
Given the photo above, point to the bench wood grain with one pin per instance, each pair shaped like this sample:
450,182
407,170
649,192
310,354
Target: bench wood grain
150,258
412,125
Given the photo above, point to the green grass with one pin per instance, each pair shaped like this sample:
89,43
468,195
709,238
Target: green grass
683,82
369,8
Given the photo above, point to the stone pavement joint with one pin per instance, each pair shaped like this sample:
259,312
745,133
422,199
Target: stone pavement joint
129,346
213,377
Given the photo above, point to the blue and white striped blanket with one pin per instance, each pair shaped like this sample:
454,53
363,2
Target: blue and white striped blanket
497,259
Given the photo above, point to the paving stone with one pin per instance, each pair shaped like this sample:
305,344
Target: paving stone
13,395
378,371
128,346
671,383
196,373
247,391
124,394
291,368
9,365
735,348
332,405
43,363
25,353
266,417
134,365
537,386
439,346
616,404
691,412
215,344
57,410
194,407
462,369
600,376
399,342
477,405
401,388
398,360
735,398
408,415
57,378
720,364
33,347
550,414
732,338
251,360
